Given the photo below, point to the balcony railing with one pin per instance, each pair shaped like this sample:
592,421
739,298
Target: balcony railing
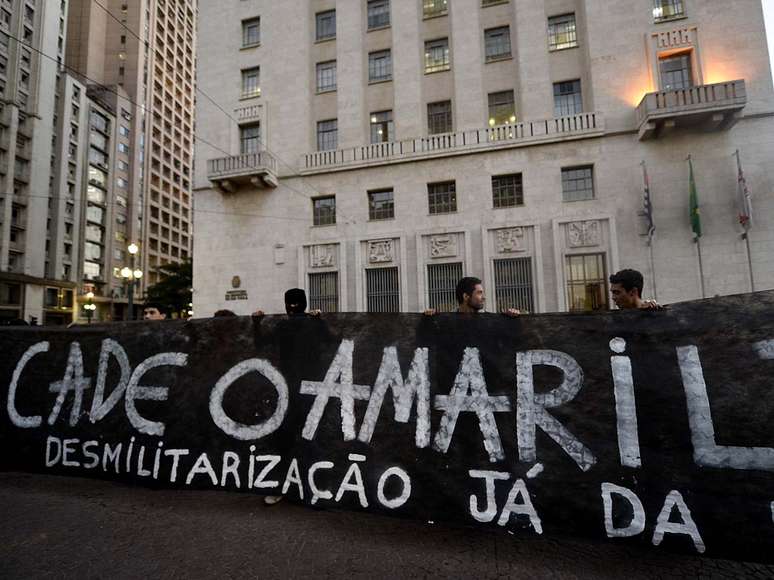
579,126
710,106
259,169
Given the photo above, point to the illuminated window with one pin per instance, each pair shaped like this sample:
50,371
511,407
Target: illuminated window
586,282
437,55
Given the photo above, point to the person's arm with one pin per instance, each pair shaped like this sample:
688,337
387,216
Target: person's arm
259,313
651,305
430,312
315,313
511,312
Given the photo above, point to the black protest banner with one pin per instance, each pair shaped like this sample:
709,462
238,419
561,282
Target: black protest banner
651,427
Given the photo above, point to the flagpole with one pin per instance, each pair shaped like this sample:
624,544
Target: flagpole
651,228
696,222
746,233
697,240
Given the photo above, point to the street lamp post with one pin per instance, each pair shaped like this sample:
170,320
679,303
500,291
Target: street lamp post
89,307
131,276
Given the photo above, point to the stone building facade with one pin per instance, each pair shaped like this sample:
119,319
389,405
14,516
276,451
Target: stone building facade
372,152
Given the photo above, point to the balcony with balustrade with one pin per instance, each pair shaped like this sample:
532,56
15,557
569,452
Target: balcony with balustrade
714,107
580,126
258,169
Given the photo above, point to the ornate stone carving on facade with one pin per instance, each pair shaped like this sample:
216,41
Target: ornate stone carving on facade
509,241
444,246
674,38
322,256
584,234
380,251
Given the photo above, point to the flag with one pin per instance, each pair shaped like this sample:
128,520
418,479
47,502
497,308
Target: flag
693,203
648,203
743,198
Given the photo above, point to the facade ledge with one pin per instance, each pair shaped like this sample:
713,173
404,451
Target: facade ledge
708,107
256,169
581,126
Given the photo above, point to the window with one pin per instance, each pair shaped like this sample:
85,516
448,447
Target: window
96,157
586,282
567,98
250,138
561,32
95,195
123,148
379,66
437,55
502,109
578,183
676,72
326,76
124,131
251,32
326,25
382,128
442,197
382,290
497,43
251,82
439,118
94,233
92,271
324,210
93,251
492,2
324,291
327,135
667,9
441,282
123,165
122,183
381,204
431,8
507,190
95,214
513,284
98,177
378,13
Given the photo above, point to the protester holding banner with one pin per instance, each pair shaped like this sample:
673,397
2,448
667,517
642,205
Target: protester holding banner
153,312
626,289
471,299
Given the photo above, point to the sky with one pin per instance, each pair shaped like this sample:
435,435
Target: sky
768,14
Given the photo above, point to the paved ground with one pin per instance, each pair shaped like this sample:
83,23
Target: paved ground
55,527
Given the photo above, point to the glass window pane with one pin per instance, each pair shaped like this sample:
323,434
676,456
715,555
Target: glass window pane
324,211
327,135
568,99
439,118
378,13
326,25
502,109
437,55
562,32
379,66
326,76
381,205
497,42
442,197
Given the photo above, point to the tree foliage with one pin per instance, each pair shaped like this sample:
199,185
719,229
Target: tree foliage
173,290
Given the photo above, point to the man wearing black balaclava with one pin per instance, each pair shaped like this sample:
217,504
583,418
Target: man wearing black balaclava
295,305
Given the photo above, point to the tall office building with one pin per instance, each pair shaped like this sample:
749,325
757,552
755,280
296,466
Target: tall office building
380,150
34,224
138,57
